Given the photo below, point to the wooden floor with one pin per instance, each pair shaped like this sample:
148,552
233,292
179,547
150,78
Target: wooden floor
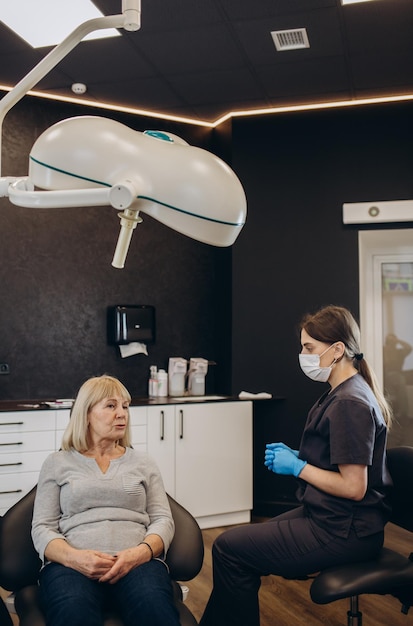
287,603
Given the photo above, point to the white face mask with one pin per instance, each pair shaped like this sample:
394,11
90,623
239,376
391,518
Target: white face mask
310,364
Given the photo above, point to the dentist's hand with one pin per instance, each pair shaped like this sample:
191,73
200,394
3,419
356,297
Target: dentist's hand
270,452
281,459
283,446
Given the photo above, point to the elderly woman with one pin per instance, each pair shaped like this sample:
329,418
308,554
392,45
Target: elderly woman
101,521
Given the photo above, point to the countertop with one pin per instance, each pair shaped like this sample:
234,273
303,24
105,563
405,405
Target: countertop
37,405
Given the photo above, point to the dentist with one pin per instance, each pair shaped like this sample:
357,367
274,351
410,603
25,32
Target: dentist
342,472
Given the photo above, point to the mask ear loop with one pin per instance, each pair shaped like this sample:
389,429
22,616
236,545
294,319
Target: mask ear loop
339,358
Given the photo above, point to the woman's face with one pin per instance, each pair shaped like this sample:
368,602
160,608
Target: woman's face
108,419
313,346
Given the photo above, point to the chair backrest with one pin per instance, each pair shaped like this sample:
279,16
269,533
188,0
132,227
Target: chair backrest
20,563
400,464
186,552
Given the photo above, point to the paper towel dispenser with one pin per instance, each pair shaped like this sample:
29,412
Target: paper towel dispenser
128,323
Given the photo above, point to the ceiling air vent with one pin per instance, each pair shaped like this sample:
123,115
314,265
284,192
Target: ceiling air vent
293,39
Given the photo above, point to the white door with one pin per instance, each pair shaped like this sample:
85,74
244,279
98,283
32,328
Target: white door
386,317
161,442
214,458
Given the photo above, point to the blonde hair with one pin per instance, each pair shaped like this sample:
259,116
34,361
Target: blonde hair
92,391
335,323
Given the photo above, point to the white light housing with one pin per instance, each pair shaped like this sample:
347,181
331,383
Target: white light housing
94,161
378,212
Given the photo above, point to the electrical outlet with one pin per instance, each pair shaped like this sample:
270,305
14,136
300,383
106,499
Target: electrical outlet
4,368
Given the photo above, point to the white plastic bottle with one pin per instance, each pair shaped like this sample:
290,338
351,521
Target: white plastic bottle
162,384
153,382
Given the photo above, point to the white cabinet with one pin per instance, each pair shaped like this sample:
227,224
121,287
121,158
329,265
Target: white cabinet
62,420
26,439
137,420
161,442
204,452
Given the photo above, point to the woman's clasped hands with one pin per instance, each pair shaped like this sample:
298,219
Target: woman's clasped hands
281,459
106,567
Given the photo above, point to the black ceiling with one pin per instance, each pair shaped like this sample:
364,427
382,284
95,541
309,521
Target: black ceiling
204,58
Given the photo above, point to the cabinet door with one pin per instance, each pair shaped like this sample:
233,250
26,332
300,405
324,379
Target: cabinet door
137,416
161,442
214,457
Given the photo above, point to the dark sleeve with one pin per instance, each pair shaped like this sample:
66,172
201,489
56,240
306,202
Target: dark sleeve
352,432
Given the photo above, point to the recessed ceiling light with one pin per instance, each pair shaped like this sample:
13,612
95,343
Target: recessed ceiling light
353,1
48,22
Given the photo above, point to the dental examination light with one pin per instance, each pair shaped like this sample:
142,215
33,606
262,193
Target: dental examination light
93,161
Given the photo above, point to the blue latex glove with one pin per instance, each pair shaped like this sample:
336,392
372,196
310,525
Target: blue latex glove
285,462
283,446
270,452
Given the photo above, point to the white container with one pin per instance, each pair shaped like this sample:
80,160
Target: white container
177,372
198,369
153,382
162,384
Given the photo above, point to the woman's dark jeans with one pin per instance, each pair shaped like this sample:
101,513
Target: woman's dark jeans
143,597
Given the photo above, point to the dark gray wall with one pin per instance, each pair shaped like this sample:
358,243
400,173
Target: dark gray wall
295,255
57,281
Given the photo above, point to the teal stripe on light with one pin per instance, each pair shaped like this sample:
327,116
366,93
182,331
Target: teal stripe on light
57,169
201,217
169,206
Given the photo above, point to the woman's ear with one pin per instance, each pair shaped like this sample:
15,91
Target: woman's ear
339,350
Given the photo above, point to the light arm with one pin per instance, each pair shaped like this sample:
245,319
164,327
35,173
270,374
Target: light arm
21,193
128,19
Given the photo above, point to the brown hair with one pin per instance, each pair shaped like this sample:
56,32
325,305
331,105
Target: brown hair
335,323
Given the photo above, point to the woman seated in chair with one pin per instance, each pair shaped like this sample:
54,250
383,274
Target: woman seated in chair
344,481
101,521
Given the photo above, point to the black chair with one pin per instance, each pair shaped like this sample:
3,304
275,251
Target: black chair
20,564
5,619
391,572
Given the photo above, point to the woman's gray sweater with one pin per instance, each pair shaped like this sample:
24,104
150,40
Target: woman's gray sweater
93,510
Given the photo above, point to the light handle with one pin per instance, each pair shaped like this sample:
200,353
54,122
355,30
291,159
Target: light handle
129,220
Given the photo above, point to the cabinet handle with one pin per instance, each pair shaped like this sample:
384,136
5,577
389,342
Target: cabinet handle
11,464
162,425
11,423
181,424
12,443
2,493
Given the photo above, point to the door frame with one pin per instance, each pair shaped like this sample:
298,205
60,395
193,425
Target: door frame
375,248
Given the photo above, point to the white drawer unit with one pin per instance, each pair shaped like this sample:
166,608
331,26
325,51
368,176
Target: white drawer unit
26,439
13,462
15,486
26,421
